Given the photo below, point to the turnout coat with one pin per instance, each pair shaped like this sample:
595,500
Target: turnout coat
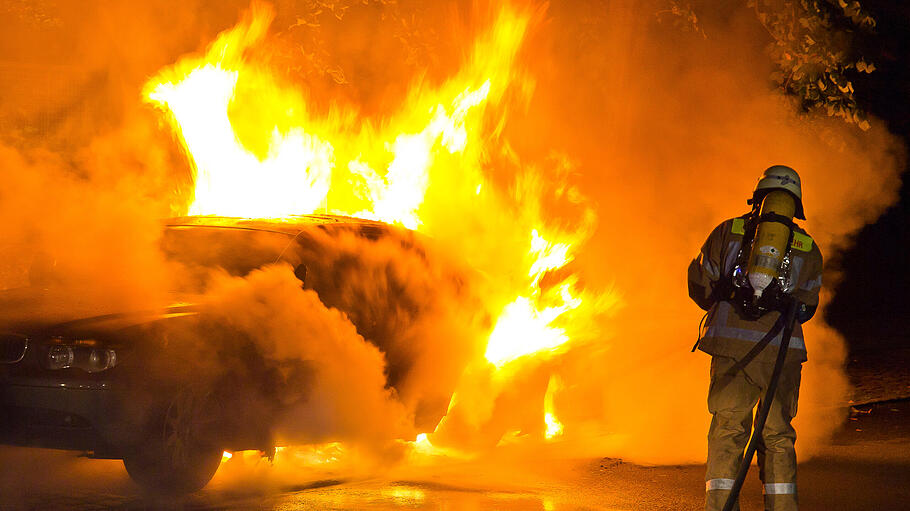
727,333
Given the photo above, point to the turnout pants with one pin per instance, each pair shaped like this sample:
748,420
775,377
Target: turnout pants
731,399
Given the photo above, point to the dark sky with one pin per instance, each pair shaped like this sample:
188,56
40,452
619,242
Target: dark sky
871,307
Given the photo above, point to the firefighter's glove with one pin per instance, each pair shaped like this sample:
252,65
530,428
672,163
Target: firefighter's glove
723,290
775,299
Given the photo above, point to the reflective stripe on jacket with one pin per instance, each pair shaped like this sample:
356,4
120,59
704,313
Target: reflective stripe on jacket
726,332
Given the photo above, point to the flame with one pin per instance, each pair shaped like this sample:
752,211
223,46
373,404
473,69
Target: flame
341,163
295,174
309,455
554,427
523,327
423,440
301,159
403,495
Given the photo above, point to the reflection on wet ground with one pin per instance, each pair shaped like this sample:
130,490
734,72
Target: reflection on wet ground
872,451
407,495
322,495
832,483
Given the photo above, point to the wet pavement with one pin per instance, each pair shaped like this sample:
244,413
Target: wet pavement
867,466
879,375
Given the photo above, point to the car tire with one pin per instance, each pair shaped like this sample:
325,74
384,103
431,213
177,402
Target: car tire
179,456
157,472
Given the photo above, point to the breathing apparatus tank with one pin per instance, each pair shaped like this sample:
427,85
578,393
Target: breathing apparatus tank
761,278
771,242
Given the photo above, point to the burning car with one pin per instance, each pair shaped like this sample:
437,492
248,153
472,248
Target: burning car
166,390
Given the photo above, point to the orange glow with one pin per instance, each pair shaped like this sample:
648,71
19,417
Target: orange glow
319,164
543,152
340,163
554,427
316,454
422,444
525,328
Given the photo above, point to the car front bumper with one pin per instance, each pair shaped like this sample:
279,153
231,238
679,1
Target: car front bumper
65,414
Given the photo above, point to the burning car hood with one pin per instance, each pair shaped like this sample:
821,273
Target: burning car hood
33,309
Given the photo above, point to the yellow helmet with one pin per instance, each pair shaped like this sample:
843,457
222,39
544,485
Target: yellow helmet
780,177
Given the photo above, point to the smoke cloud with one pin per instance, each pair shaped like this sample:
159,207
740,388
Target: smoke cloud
661,133
677,129
379,326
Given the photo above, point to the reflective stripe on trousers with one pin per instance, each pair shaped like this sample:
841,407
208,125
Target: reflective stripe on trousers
719,484
769,488
780,488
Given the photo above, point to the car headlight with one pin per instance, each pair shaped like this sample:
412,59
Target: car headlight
87,358
96,360
60,357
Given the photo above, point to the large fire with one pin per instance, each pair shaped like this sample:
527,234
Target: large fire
304,165
339,163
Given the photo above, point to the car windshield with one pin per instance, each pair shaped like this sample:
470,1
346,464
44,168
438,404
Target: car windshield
236,251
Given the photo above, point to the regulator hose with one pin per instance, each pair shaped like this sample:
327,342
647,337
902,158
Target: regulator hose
762,416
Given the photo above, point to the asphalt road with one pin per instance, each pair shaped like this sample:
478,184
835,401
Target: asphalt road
867,467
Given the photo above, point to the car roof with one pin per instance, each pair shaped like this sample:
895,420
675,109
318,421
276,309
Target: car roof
291,225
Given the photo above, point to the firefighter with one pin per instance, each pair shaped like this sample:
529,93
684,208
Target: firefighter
734,325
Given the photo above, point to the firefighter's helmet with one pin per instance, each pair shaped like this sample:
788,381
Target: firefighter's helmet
780,177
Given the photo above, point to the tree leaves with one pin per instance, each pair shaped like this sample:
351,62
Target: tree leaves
812,47
682,16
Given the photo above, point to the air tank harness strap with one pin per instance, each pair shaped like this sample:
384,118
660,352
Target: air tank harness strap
700,323
760,345
774,217
743,362
751,225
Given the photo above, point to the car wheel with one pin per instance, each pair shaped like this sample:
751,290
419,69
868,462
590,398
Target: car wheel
180,456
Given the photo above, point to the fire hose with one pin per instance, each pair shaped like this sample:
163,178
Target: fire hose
789,321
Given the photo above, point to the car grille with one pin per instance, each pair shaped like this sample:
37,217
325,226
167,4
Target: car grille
12,348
